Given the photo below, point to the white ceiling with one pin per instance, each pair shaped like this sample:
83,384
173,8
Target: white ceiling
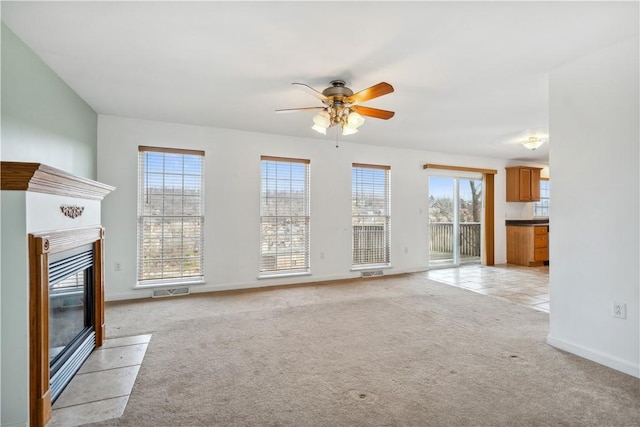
469,77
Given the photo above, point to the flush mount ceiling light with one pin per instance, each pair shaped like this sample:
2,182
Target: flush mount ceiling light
342,106
533,142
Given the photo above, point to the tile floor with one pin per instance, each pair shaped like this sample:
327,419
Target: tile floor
101,388
527,286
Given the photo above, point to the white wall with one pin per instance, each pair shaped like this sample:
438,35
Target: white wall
519,210
594,235
232,195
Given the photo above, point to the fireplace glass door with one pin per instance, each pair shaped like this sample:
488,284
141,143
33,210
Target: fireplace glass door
71,315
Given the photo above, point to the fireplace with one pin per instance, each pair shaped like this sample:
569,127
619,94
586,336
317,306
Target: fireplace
71,314
66,308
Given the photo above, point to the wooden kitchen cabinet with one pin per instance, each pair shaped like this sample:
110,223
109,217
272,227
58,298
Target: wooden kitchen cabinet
523,184
528,245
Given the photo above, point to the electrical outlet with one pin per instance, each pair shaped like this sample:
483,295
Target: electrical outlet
117,266
619,310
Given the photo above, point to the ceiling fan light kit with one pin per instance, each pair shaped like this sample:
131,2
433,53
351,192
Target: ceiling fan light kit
348,120
342,106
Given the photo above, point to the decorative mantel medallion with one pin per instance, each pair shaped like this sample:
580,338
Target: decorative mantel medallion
72,211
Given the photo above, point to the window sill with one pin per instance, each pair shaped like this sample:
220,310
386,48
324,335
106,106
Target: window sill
151,284
370,267
281,275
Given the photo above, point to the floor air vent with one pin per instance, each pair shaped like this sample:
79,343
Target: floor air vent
169,292
373,273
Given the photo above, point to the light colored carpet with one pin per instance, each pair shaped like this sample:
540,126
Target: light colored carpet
393,351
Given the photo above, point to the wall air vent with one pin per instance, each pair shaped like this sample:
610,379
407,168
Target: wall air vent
373,273
169,292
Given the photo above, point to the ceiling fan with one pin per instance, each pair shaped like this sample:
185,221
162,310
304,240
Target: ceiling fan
342,106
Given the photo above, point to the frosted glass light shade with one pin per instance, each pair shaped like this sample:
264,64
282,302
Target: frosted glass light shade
355,120
322,119
319,129
533,142
348,130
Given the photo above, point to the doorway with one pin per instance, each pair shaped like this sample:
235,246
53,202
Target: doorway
455,219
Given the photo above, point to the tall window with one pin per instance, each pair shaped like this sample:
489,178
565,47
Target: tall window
541,208
371,210
170,215
284,216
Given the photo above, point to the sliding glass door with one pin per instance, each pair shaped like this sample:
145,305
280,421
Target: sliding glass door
442,214
455,218
470,216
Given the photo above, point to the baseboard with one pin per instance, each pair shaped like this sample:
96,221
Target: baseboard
17,424
595,356
134,294
420,269
263,283
297,280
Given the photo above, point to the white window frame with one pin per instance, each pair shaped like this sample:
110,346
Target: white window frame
165,275
376,252
284,217
541,208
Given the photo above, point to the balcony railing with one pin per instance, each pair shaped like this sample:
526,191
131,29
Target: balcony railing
442,238
370,245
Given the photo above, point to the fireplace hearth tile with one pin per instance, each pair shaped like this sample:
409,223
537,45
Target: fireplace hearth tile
119,342
91,412
102,394
94,386
114,357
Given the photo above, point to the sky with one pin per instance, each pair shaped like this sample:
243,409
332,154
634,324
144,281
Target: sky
442,186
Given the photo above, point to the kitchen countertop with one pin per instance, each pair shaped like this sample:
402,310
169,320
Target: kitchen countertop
527,222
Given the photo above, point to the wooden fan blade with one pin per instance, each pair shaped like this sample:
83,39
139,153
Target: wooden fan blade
311,91
374,112
295,110
372,92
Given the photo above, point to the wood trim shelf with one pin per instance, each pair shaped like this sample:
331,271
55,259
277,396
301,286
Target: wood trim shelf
364,165
40,178
460,169
142,148
284,159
